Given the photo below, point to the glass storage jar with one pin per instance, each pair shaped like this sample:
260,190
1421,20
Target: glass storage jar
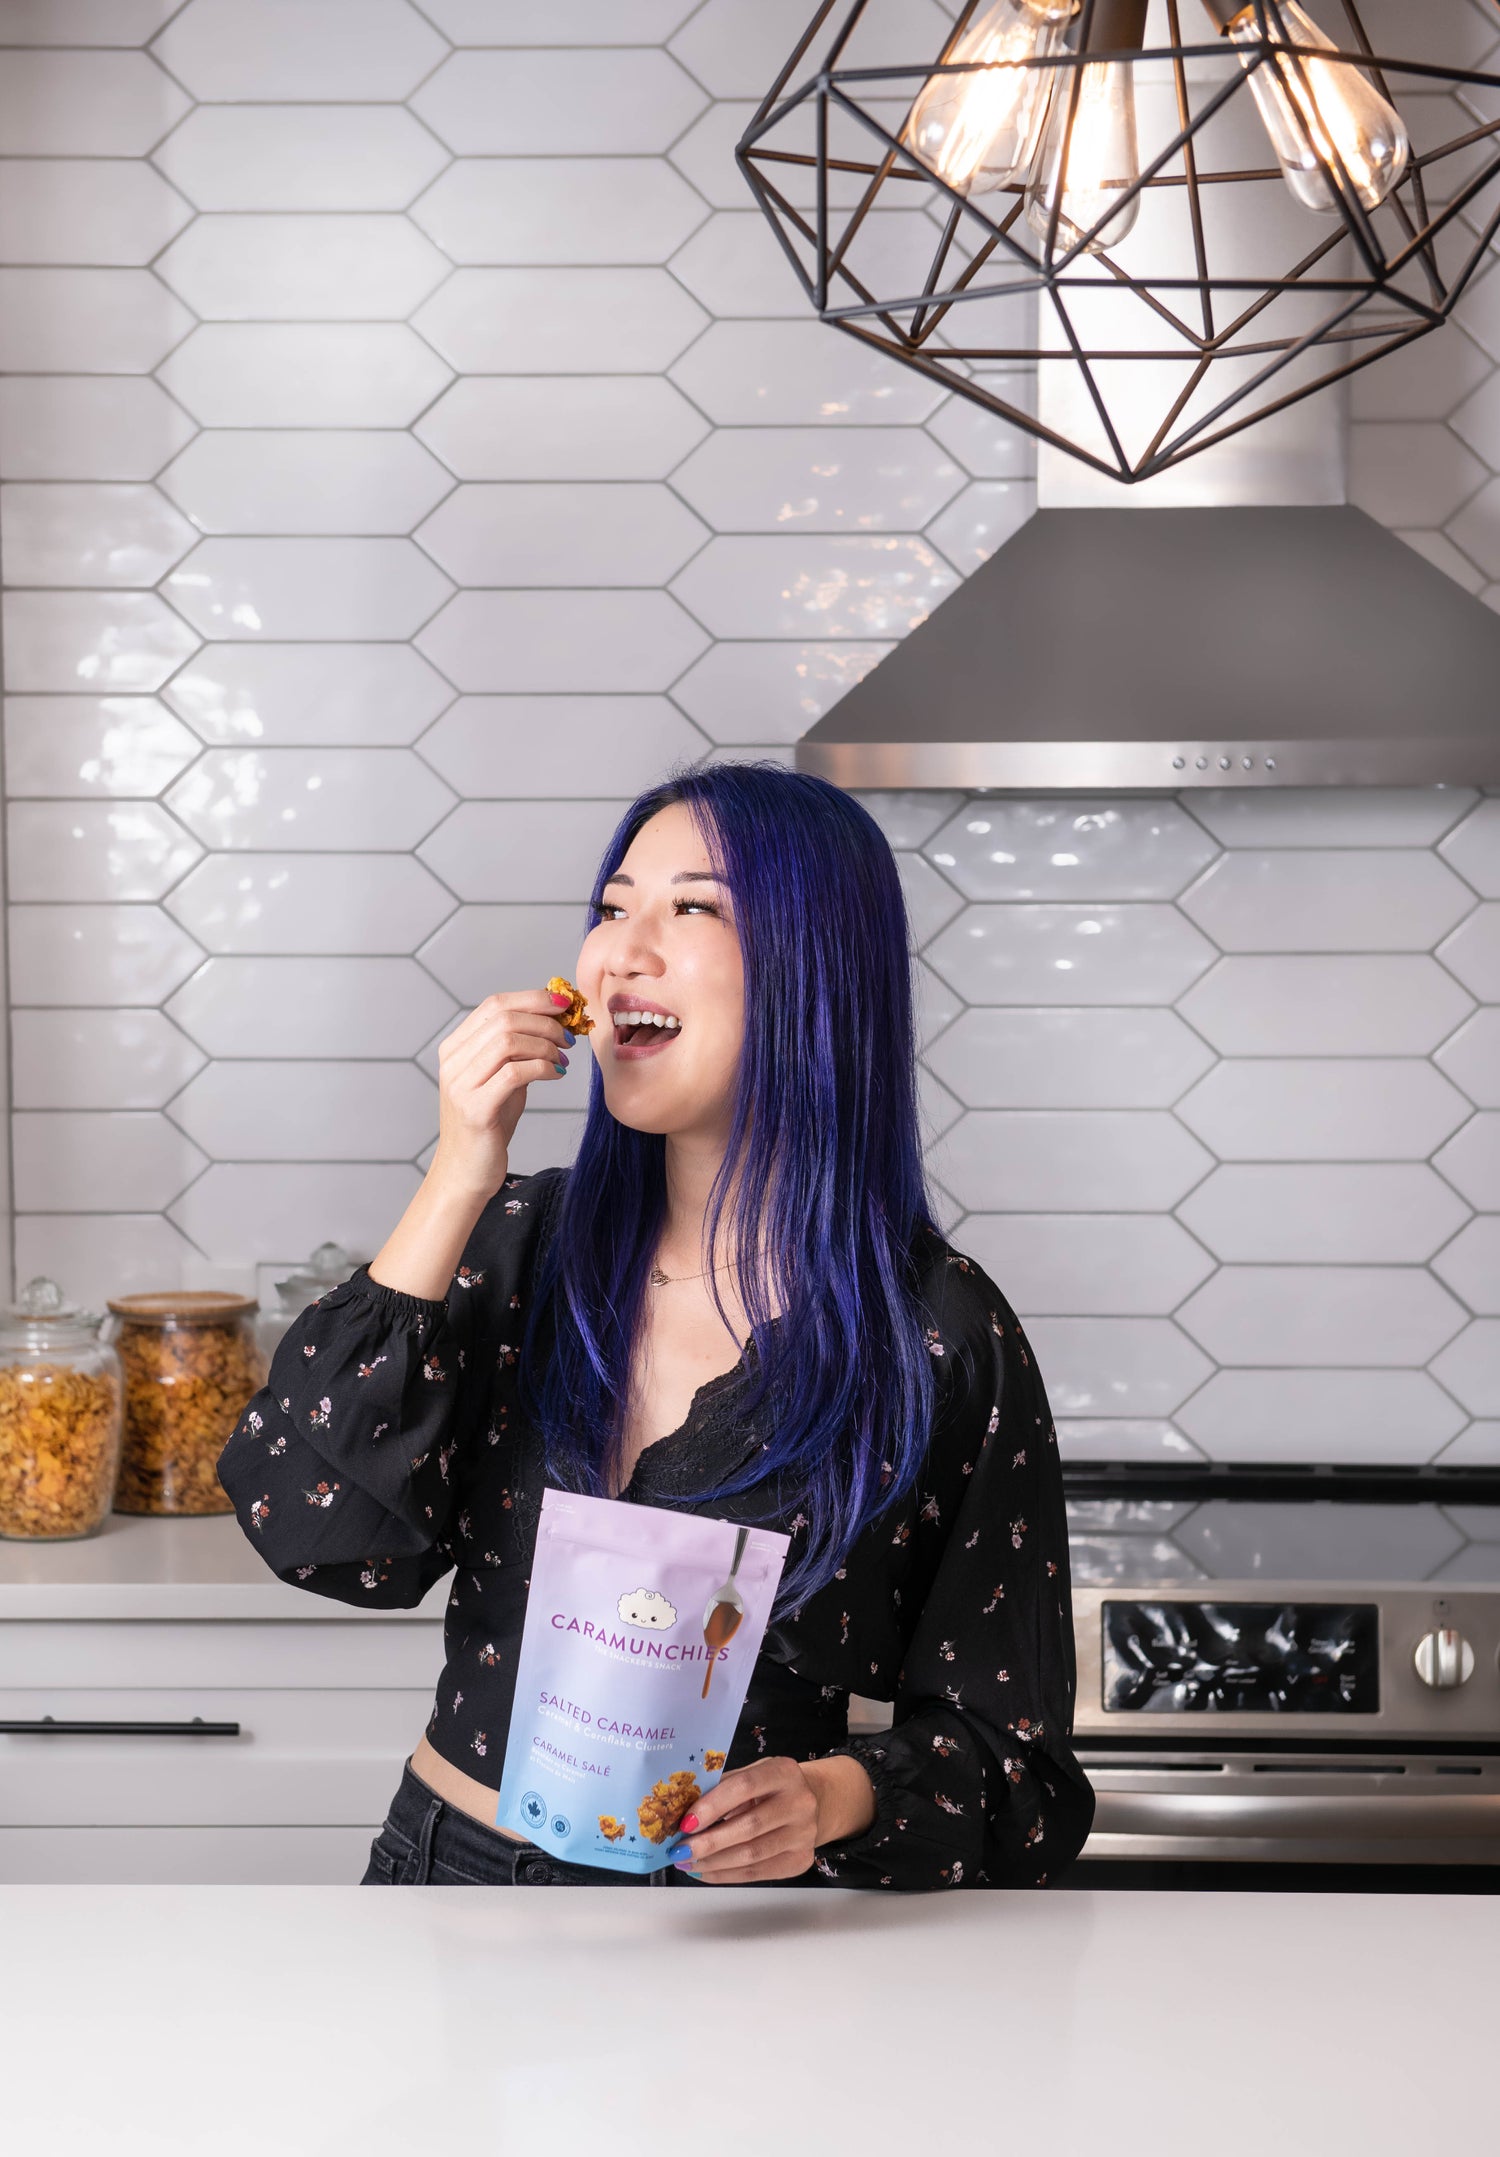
330,1263
60,1396
191,1362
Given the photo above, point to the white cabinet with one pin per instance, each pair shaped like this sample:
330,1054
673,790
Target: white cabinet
295,1759
173,1622
218,1656
185,1856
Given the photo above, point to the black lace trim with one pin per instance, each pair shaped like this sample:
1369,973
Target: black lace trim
705,1449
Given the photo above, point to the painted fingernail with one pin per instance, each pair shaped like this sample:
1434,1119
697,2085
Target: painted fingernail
684,1858
560,1068
689,1823
562,1002
569,1038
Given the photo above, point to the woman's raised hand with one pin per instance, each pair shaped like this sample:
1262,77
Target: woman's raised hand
484,1068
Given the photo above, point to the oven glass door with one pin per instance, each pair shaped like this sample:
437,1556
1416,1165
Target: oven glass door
1184,1657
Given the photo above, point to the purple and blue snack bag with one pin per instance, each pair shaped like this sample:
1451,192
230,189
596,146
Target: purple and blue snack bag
628,1690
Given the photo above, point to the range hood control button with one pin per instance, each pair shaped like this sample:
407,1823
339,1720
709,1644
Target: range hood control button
1444,1659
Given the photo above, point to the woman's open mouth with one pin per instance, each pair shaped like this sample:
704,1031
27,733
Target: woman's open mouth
642,1030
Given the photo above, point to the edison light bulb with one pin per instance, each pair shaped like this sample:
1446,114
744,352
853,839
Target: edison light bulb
979,131
1090,167
1314,108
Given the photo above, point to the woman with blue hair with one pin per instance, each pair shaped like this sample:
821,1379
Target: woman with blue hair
736,1302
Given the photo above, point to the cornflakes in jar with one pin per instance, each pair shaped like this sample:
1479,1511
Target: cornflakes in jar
191,1362
60,1395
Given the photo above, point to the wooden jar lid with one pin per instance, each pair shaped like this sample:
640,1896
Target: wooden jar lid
183,1307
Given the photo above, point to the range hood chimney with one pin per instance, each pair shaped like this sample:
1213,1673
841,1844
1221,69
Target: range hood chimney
1232,622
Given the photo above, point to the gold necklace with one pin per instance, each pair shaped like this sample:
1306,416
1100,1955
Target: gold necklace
665,1280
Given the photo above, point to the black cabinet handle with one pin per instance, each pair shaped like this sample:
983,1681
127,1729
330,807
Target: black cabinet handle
47,1726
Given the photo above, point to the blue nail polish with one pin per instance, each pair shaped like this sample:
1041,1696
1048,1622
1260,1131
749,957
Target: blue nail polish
560,1068
684,1858
569,1038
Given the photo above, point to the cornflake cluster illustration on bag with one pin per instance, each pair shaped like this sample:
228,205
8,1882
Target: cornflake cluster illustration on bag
642,1628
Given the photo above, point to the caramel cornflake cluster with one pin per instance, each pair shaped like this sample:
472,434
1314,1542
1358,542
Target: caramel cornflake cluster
712,1762
575,1018
665,1803
59,1449
610,1828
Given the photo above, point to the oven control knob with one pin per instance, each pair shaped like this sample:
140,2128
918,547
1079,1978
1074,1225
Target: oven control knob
1444,1659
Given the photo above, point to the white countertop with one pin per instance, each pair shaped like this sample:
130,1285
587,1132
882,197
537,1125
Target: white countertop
141,1566
315,2022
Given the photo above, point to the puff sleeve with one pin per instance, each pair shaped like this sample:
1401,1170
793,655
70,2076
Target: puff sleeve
340,1468
976,1783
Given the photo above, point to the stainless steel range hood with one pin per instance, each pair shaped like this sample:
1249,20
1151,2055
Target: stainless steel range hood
1172,647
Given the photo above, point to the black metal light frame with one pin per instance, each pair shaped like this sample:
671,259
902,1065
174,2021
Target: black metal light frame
1413,261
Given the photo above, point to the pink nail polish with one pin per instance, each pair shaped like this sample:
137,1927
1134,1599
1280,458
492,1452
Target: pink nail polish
560,1000
689,1823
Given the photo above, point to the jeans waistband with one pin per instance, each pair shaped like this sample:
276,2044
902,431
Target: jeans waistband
414,1797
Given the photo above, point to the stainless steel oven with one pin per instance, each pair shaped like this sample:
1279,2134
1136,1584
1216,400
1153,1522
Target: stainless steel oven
1288,1668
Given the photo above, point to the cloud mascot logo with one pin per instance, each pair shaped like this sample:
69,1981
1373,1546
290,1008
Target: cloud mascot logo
647,1608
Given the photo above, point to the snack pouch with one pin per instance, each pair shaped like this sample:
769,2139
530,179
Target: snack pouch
612,1738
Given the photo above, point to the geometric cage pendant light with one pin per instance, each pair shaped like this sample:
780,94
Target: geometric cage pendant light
1130,242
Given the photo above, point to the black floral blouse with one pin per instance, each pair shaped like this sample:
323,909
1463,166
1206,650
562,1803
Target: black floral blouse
388,1448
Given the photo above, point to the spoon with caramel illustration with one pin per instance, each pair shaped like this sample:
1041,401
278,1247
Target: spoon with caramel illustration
724,1612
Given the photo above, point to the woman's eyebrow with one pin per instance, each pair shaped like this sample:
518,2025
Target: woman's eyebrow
683,876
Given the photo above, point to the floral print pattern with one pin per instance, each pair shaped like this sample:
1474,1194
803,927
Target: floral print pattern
415,1461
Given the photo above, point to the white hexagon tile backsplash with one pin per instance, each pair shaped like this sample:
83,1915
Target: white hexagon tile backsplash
412,442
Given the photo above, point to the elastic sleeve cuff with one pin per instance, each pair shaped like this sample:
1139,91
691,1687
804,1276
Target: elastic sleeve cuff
871,1756
421,1311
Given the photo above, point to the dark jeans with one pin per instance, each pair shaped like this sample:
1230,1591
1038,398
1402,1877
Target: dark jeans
426,1842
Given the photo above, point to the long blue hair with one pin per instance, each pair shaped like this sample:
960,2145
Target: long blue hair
831,1189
